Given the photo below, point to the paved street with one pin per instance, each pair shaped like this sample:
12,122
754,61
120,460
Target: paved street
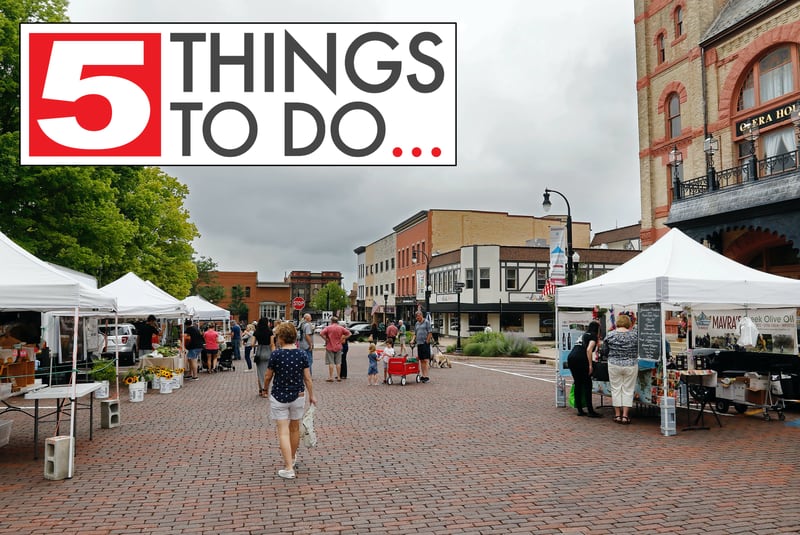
479,449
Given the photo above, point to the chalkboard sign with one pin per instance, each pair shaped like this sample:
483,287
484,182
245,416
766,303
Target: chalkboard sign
649,326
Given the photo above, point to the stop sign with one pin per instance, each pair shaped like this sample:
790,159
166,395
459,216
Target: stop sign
299,303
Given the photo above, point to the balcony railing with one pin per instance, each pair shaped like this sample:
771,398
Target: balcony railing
727,178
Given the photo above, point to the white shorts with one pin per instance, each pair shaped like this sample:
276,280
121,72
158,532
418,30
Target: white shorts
287,411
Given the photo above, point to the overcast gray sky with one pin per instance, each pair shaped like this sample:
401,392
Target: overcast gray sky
546,98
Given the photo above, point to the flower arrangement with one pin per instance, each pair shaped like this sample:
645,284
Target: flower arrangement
131,376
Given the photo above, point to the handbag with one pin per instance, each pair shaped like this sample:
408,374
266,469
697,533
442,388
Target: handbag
307,434
600,371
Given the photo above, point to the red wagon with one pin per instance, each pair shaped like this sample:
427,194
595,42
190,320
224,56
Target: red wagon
403,366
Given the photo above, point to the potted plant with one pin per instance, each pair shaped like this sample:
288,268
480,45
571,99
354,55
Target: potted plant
103,371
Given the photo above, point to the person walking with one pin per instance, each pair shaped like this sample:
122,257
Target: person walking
422,339
193,342
236,341
305,339
263,336
401,335
391,332
334,335
580,366
623,348
211,337
249,341
373,333
372,370
290,376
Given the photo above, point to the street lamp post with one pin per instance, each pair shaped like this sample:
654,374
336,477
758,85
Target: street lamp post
546,204
711,146
414,259
751,133
675,160
385,304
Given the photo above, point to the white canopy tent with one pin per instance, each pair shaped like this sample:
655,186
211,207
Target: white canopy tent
678,272
203,310
27,283
137,297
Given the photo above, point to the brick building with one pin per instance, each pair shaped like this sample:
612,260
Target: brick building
263,299
719,123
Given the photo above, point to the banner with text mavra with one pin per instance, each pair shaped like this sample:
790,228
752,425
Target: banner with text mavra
777,329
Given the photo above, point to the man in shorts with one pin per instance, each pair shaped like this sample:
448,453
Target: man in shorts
422,338
194,347
334,334
305,338
401,335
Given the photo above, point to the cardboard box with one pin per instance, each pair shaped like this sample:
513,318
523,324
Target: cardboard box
735,391
756,397
761,383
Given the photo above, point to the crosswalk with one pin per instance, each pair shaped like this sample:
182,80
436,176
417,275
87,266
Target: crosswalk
529,369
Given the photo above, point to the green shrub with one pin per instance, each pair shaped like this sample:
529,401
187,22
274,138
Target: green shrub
473,350
104,370
492,348
518,346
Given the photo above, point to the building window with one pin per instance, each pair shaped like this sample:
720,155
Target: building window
469,277
678,21
511,279
541,279
271,310
392,290
661,50
485,282
247,291
771,77
392,262
674,118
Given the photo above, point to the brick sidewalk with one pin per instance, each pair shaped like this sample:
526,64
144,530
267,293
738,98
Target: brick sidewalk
470,452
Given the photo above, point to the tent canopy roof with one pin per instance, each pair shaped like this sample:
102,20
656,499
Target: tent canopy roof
201,309
136,297
27,283
679,271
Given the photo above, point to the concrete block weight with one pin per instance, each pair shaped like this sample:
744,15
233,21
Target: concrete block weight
57,455
109,413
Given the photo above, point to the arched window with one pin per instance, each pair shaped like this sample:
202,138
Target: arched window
673,115
678,21
771,77
661,49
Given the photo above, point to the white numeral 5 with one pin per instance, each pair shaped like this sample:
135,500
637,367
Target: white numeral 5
130,109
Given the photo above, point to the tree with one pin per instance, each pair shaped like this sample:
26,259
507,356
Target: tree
237,307
205,285
104,221
330,297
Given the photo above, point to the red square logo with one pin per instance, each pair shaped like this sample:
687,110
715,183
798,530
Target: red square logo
95,94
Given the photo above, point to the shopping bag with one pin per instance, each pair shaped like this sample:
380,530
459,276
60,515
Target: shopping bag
307,434
571,398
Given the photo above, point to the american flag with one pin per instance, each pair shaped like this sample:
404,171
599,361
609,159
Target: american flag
549,288
375,307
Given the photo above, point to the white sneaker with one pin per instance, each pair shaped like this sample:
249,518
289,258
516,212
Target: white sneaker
251,369
286,474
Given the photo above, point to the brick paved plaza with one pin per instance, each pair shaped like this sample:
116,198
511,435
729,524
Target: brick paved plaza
473,451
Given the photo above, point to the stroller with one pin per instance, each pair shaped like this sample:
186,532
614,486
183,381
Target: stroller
225,361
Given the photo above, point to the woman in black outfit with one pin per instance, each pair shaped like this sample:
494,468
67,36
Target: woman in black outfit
263,334
580,365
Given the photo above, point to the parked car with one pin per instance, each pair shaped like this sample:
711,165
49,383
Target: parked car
359,330
120,337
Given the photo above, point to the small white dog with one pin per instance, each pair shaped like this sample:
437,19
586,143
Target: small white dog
441,360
